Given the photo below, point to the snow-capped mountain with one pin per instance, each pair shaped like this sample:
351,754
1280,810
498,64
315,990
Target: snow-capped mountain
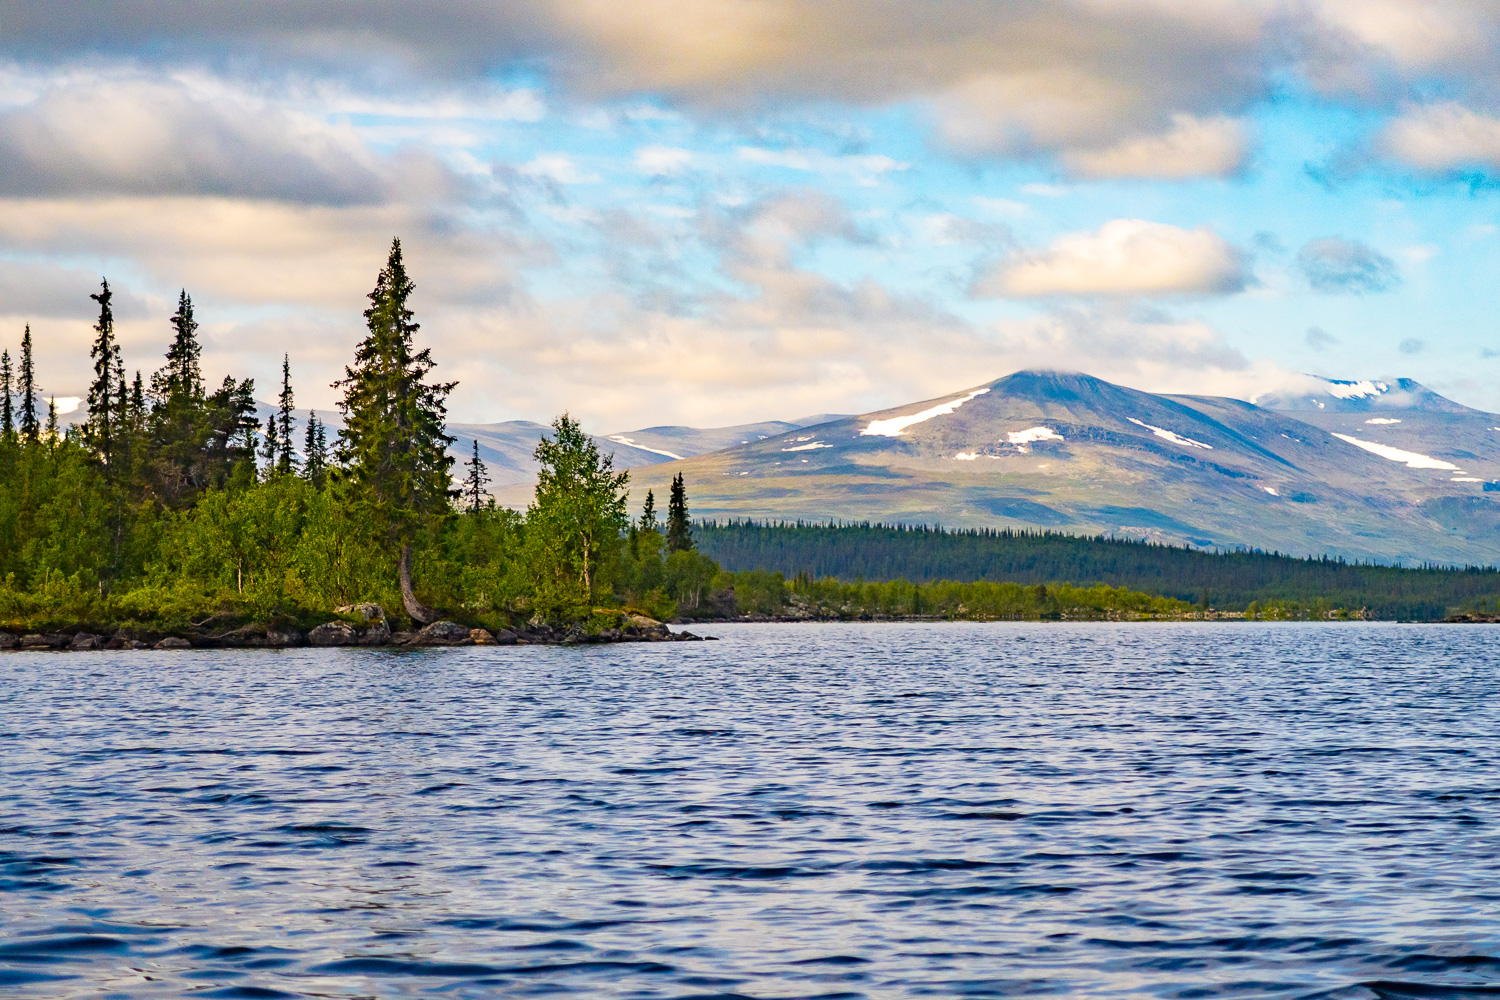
1070,452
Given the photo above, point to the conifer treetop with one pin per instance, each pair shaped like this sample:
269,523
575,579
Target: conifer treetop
394,442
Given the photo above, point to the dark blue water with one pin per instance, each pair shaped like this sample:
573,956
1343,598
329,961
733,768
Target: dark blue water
796,811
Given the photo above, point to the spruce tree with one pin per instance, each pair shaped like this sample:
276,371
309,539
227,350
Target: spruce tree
52,434
475,482
7,409
648,513
181,378
393,449
679,528
27,388
272,448
99,431
315,450
286,465
181,424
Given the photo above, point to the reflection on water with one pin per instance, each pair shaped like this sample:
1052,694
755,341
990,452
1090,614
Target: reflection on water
1179,810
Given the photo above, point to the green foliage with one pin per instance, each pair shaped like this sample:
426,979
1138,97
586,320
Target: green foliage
679,527
393,447
1228,581
575,523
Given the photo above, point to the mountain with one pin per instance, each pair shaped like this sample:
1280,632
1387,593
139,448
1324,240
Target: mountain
506,448
1070,452
1330,395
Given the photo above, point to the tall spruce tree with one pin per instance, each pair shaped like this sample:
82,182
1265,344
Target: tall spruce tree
393,449
679,528
648,513
315,451
181,378
26,387
7,407
475,481
181,424
99,431
286,465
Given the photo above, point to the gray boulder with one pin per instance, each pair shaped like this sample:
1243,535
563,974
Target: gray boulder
173,642
378,634
7,641
504,637
333,634
86,640
443,634
366,612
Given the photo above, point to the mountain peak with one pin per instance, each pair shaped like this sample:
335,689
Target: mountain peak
1359,396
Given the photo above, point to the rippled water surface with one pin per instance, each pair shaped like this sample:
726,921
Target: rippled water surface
873,810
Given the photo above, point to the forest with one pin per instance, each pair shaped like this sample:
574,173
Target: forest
1262,584
172,502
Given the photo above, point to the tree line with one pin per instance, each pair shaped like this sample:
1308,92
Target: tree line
1265,584
174,502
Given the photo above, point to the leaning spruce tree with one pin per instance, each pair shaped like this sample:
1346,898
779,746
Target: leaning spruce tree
393,450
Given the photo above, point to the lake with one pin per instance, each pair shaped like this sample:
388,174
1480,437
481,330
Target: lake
878,810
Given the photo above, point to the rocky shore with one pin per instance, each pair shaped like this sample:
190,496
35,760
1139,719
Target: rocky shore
363,625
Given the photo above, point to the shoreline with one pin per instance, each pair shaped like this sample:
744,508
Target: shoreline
373,633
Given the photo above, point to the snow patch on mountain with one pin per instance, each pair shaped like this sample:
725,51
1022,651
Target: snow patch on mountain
1412,459
1033,434
893,426
966,456
1382,420
1162,432
1356,390
622,439
814,446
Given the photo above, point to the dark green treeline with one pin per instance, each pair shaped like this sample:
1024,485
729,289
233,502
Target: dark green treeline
1228,581
173,504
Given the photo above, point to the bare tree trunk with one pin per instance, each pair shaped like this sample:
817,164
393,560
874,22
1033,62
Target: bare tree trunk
419,612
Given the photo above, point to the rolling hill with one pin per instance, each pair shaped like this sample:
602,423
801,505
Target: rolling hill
1395,475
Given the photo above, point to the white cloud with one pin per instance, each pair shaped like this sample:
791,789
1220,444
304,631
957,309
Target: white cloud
558,168
1125,257
864,169
1442,137
660,161
1193,147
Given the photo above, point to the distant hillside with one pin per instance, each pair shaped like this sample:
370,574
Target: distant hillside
1068,452
1228,581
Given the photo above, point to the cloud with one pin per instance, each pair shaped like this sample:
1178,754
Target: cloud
1126,257
1411,345
1319,339
1440,138
662,161
41,289
864,169
1343,266
104,136
1194,147
1138,88
557,168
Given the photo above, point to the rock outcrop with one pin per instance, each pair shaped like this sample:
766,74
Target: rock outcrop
337,633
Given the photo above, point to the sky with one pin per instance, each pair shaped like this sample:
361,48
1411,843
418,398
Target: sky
719,211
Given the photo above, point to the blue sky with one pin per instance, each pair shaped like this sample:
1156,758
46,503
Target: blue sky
732,210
